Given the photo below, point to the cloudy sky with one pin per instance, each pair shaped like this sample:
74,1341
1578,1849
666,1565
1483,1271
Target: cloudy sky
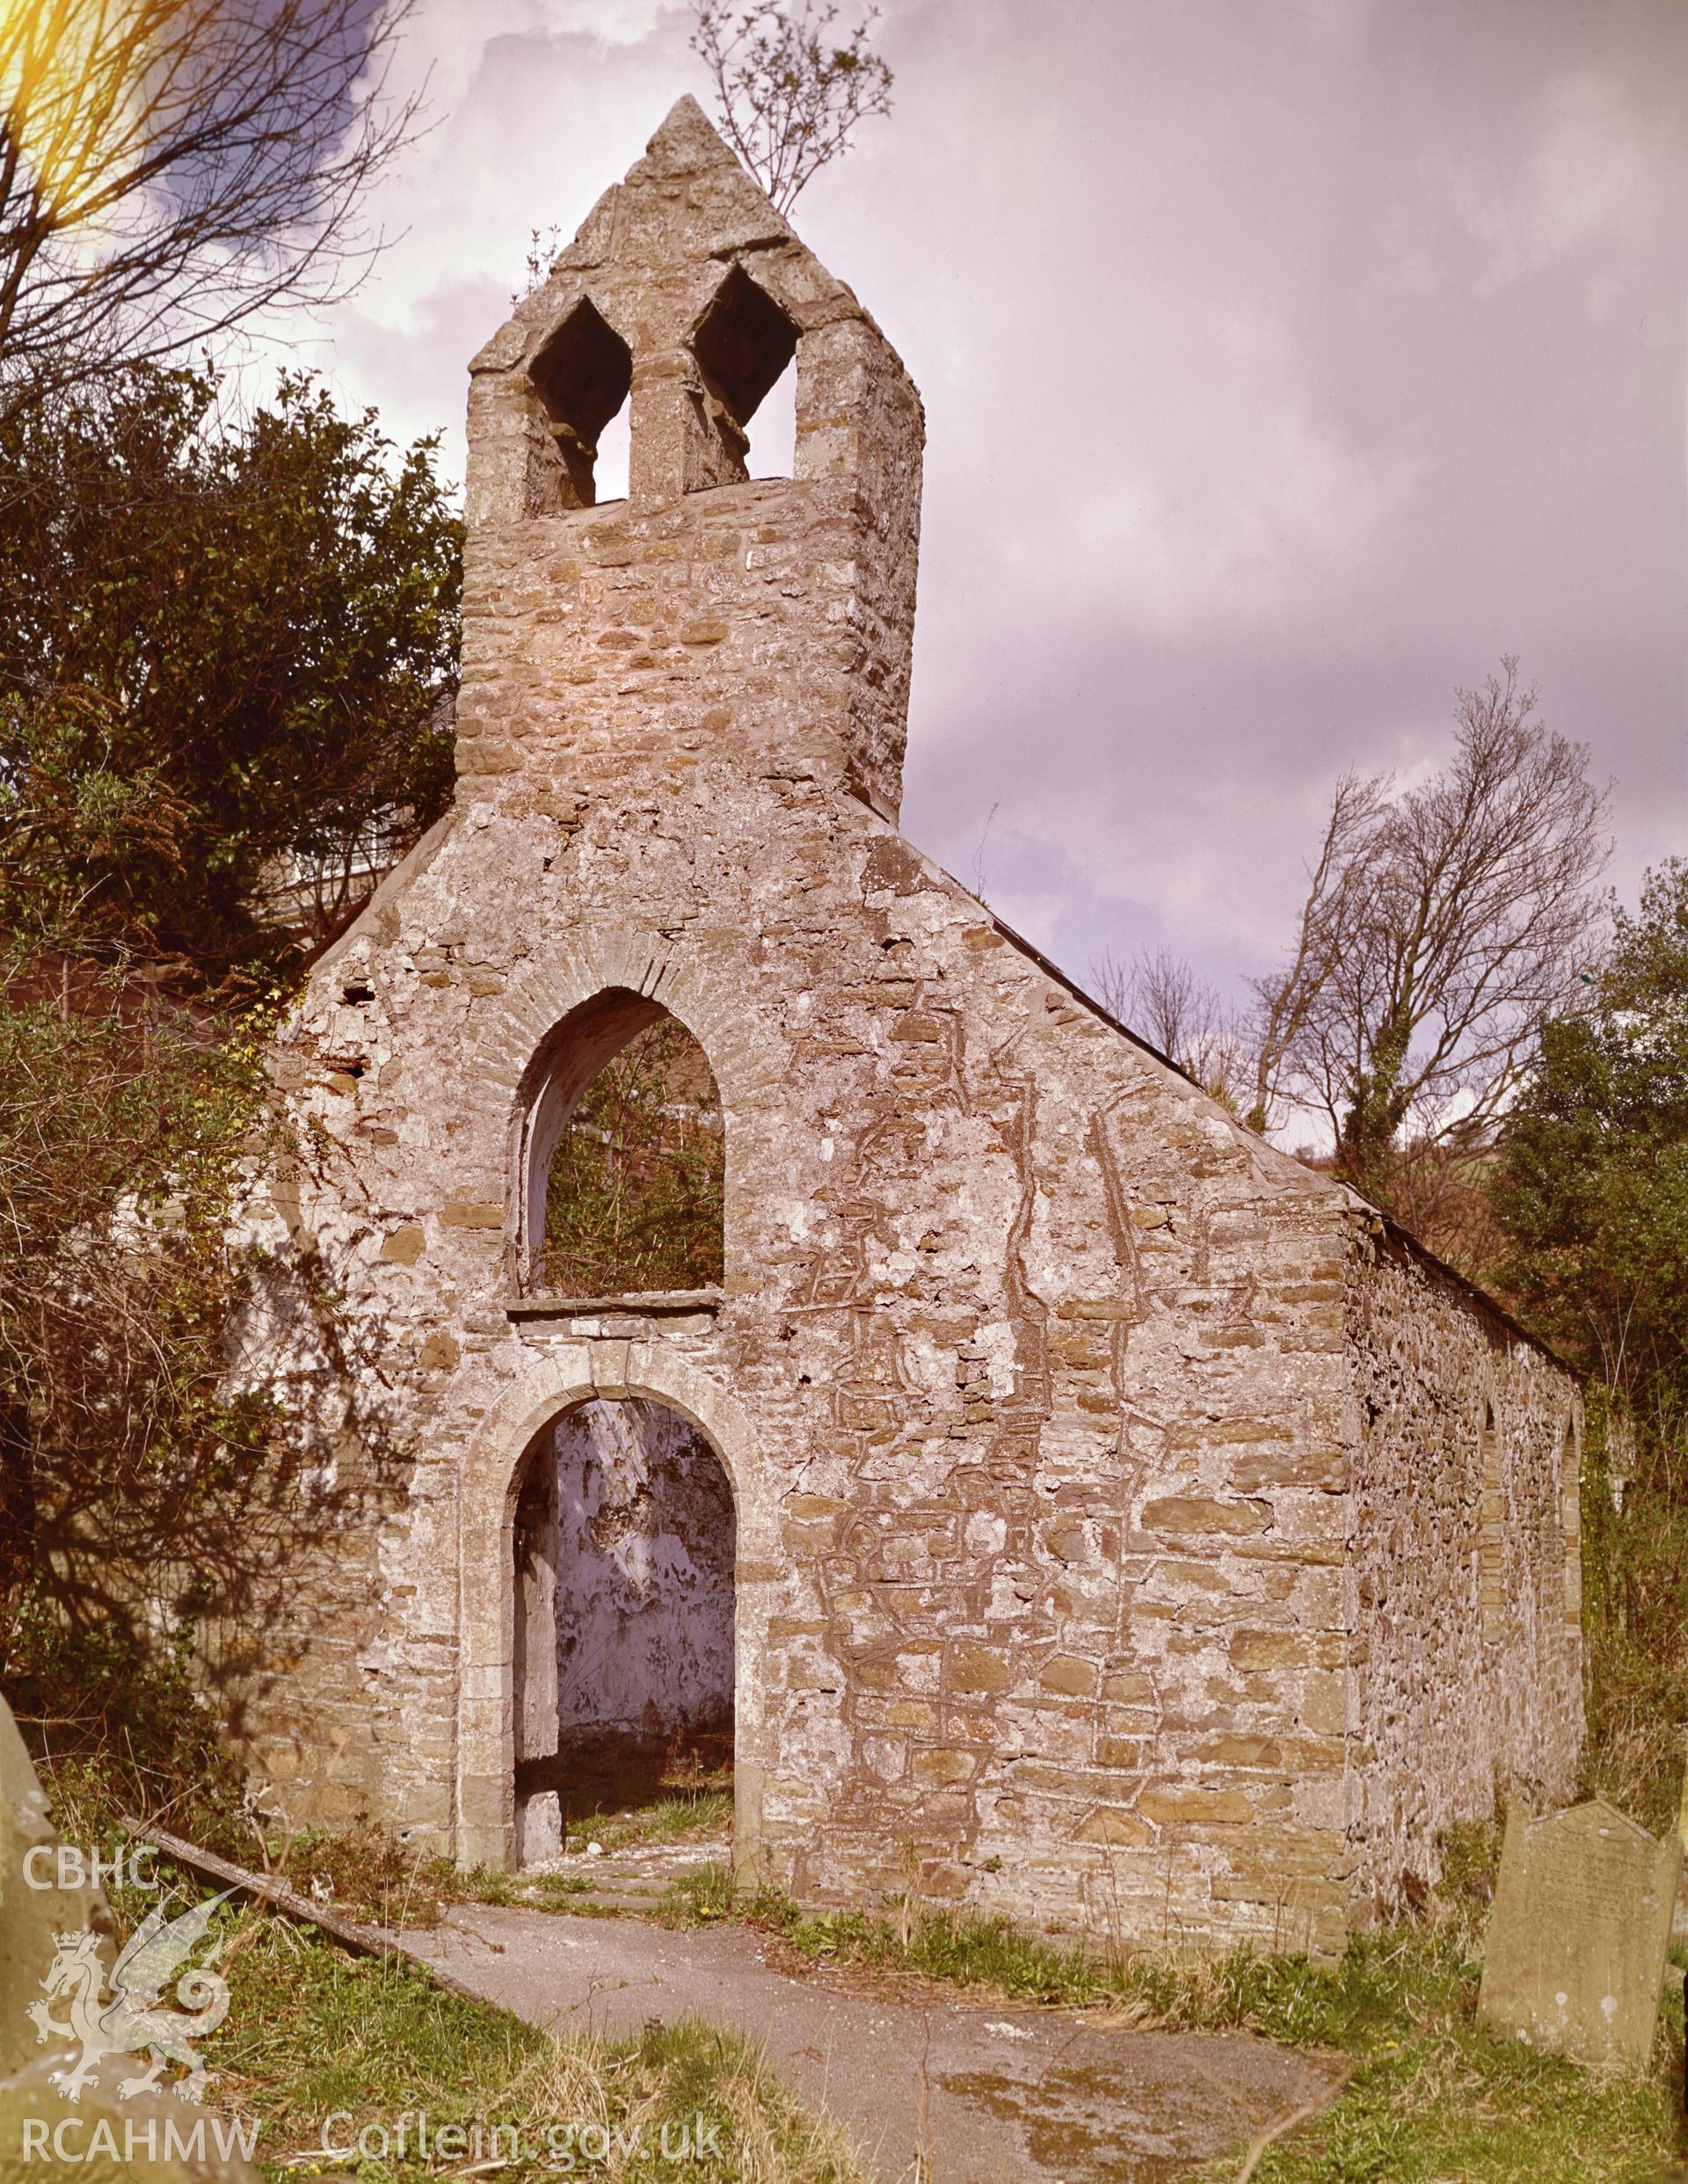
1285,366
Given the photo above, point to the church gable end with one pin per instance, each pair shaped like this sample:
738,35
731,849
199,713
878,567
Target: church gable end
1051,1464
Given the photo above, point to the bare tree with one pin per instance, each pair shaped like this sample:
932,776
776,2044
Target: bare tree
1161,995
1286,1003
1441,923
168,167
790,97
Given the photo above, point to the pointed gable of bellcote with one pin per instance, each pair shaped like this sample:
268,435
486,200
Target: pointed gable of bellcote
685,296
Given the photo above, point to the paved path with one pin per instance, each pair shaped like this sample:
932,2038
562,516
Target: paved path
989,2093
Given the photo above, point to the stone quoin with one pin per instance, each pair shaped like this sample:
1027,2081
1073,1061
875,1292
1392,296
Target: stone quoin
1094,1515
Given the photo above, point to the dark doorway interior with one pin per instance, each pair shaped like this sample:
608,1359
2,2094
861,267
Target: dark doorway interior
625,1544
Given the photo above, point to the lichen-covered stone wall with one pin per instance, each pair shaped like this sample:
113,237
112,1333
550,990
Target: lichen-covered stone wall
1041,1357
1456,1701
1039,1381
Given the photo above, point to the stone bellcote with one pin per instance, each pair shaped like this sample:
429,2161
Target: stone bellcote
772,619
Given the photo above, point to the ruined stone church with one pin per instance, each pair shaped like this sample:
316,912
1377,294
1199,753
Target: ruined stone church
1063,1503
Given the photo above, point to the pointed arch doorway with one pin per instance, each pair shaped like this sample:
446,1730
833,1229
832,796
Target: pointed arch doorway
496,1471
622,1663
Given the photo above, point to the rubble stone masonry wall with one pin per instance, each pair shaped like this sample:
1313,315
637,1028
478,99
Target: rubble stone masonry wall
1100,1482
1466,1589
1040,1356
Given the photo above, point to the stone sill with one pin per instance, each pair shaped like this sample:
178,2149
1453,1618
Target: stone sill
651,1304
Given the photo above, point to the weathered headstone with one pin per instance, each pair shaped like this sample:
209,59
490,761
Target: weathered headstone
31,1916
107,2139
1579,1933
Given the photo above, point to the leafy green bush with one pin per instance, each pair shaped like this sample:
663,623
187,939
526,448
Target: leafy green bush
1593,1191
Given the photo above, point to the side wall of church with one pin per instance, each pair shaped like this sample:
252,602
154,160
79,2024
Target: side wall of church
1466,1566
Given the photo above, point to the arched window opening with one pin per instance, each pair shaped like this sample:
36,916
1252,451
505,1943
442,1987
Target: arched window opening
626,1163
743,344
1491,1566
1570,1506
582,376
626,1543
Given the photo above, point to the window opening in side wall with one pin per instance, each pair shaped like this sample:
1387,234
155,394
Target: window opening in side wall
614,458
1570,1507
1491,1562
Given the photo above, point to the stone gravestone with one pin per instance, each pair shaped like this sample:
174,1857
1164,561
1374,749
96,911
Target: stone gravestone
1578,1936
30,1918
107,2139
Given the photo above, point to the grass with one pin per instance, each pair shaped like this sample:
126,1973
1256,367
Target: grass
670,1820
1635,1623
1432,2097
702,1894
367,1874
363,1871
314,2034
313,2030
531,1892
678,1819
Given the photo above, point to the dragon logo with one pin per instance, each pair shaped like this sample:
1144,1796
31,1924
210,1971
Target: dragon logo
131,2022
